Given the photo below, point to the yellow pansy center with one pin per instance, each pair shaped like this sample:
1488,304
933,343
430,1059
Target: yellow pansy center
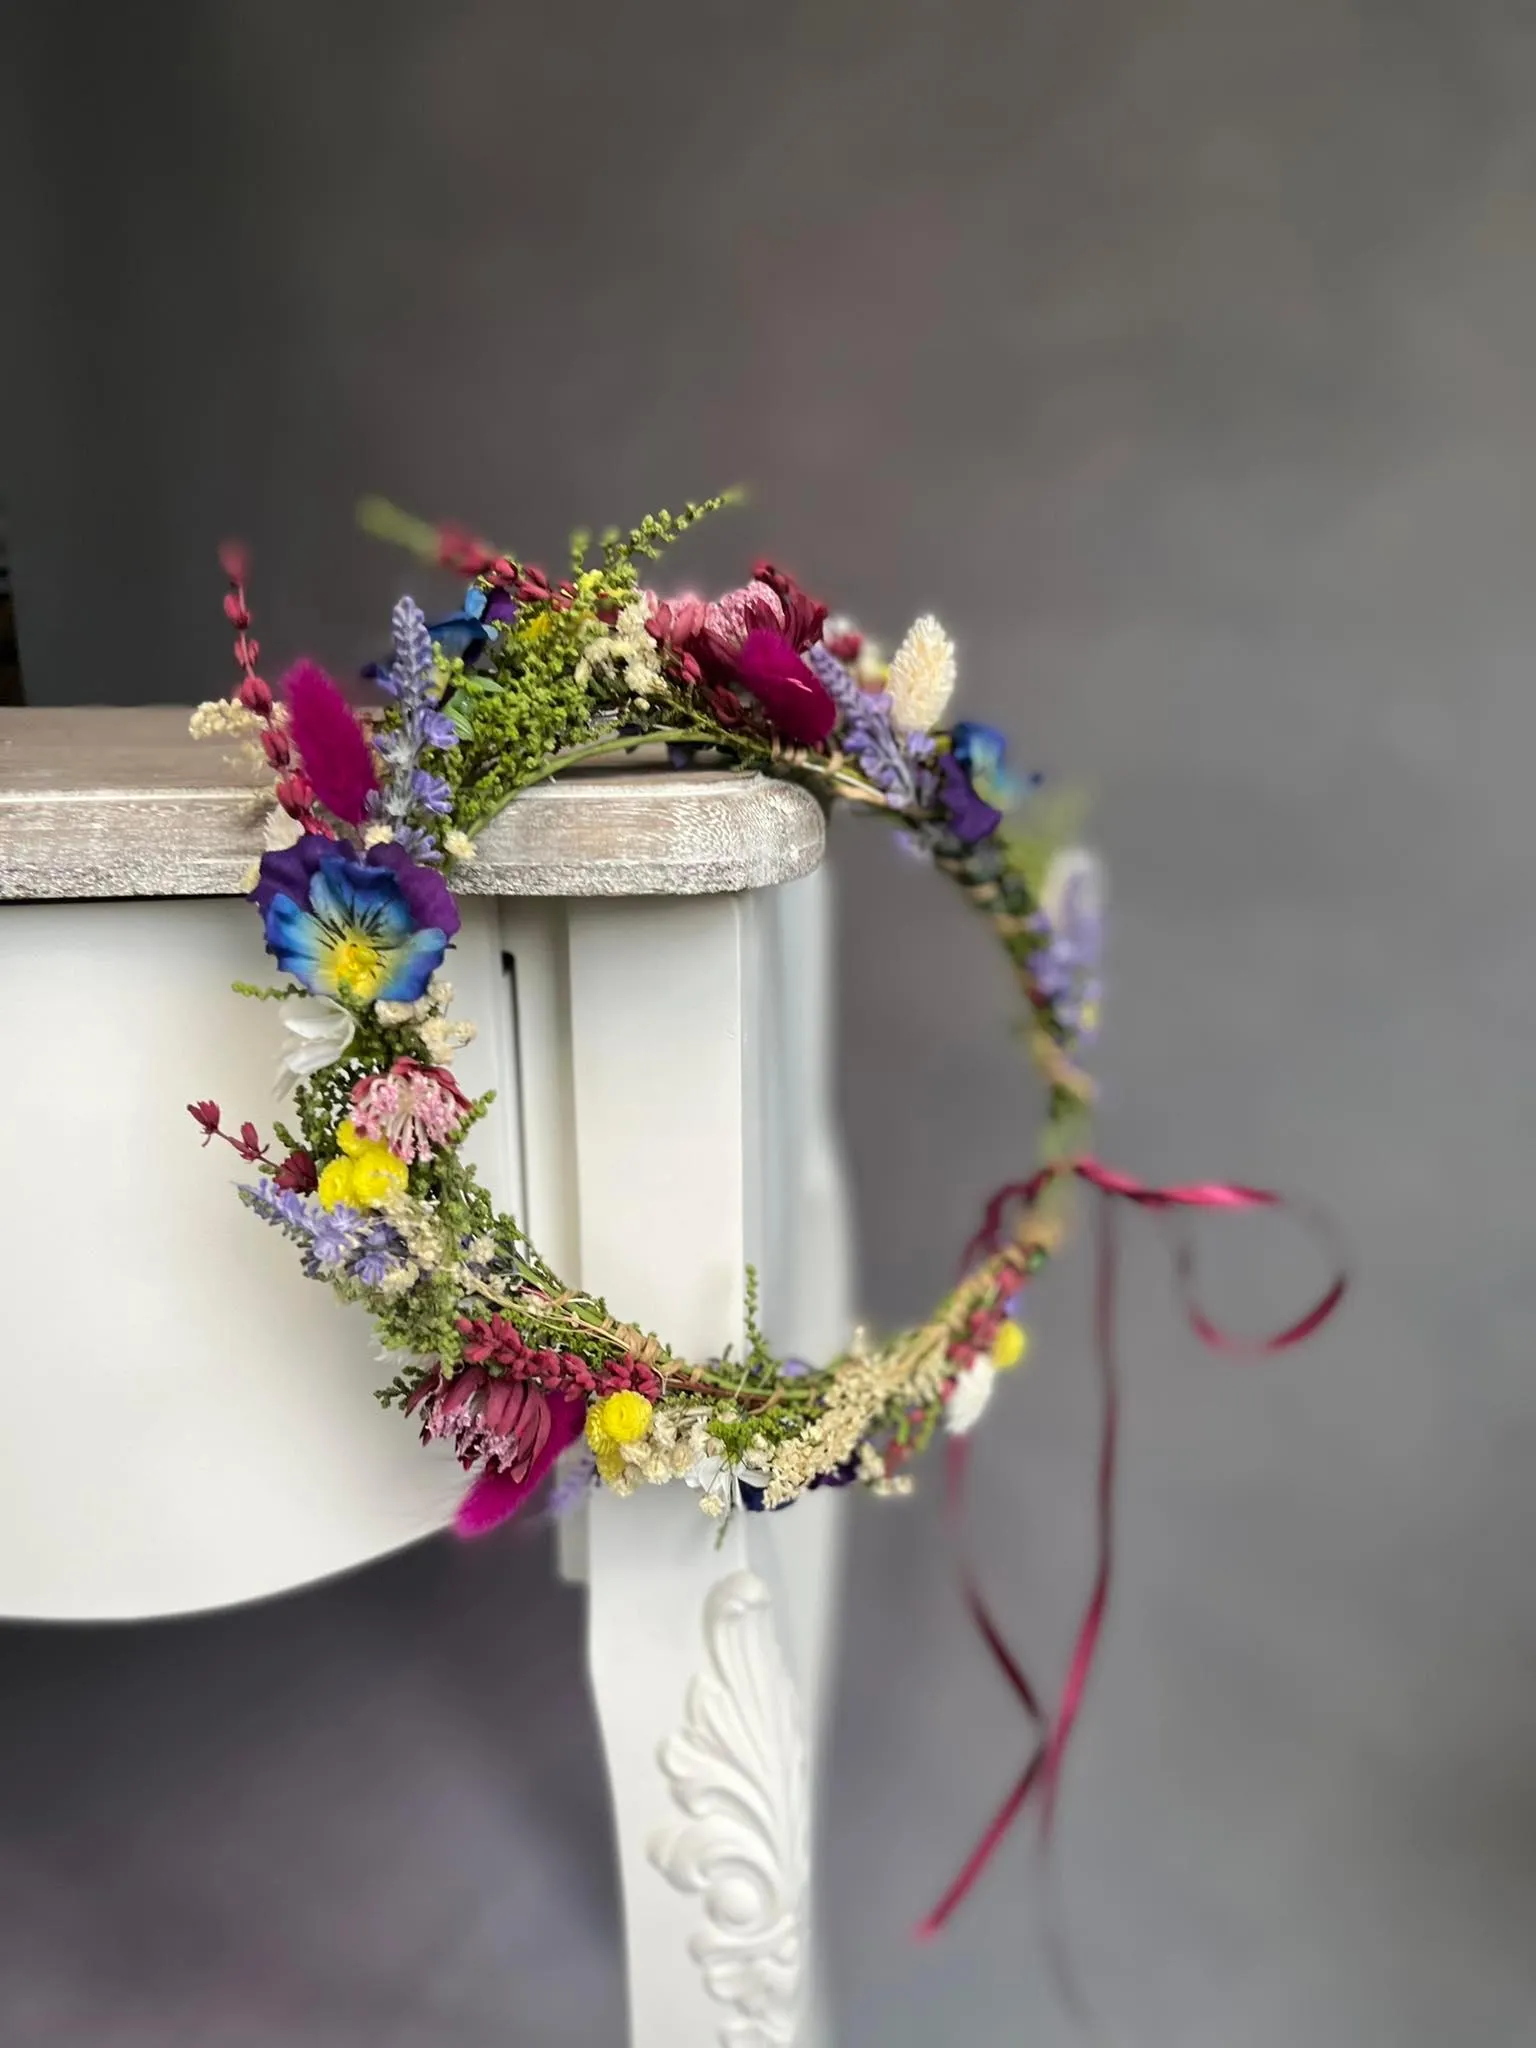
357,968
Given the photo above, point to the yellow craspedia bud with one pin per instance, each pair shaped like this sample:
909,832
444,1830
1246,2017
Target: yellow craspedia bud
626,1418
335,1188
351,1140
376,1175
1010,1347
610,1462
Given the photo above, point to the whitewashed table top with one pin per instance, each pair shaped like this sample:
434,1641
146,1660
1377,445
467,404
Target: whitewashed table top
101,801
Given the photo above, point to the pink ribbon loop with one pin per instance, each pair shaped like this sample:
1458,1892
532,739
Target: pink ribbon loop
1040,1778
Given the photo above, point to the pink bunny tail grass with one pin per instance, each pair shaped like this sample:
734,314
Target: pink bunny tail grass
496,1497
330,742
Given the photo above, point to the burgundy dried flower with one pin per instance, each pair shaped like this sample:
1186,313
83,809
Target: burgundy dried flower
334,749
796,704
254,694
803,616
208,1116
297,1174
249,1144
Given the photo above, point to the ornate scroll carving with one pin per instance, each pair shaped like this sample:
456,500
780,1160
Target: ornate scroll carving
737,1768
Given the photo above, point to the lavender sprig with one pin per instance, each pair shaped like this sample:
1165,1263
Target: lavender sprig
892,761
412,796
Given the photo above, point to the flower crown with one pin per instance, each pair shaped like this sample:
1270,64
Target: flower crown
373,814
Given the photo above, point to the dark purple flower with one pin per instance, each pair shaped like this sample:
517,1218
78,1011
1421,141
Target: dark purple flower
290,871
796,704
969,817
427,895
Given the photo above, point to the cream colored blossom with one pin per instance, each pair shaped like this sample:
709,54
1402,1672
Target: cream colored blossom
223,718
458,845
922,677
378,834
625,652
442,1039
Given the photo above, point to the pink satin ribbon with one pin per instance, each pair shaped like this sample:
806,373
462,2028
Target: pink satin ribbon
1041,1775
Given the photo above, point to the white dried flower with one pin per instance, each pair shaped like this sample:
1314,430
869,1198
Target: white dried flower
442,1039
458,845
400,1279
922,677
378,835
967,1399
403,1013
319,1032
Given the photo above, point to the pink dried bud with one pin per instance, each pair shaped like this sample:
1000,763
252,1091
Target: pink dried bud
234,560
274,745
235,611
206,1115
254,694
247,650
295,794
250,1145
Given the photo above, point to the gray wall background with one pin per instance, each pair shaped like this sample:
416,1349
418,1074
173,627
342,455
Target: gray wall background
1181,356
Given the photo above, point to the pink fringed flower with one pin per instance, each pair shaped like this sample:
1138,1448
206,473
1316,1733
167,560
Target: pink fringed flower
332,745
513,1429
412,1109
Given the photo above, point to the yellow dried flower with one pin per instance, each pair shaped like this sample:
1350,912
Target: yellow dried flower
625,1418
1010,1347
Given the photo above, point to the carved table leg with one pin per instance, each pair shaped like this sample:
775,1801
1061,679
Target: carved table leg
701,1723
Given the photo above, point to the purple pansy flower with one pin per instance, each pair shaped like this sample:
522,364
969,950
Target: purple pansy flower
355,930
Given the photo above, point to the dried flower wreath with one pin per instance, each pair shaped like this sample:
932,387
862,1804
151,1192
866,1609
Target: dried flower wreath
373,814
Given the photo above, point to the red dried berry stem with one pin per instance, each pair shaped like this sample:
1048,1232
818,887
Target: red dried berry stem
292,789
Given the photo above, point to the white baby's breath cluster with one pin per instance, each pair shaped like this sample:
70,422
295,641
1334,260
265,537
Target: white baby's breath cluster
441,1038
223,718
922,675
627,652
862,1390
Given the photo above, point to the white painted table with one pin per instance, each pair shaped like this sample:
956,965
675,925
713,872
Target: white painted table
186,1422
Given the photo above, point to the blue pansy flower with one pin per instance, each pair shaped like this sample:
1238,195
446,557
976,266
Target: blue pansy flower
982,752
359,931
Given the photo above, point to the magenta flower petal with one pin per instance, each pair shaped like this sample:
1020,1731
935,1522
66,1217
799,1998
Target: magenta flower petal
496,1496
332,745
796,703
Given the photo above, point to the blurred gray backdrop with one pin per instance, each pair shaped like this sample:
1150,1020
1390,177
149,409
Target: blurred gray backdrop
1182,357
